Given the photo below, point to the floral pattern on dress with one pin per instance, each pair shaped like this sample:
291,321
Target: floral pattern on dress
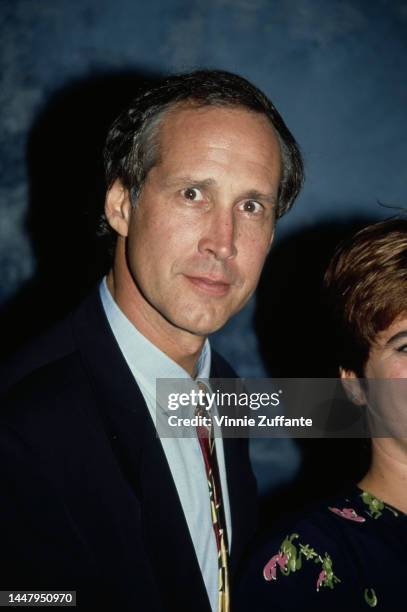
289,559
348,513
370,597
292,551
375,505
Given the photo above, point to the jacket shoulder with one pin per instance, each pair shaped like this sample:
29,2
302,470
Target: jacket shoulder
44,383
47,398
50,347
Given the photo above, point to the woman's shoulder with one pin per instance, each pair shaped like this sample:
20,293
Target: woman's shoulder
330,555
352,510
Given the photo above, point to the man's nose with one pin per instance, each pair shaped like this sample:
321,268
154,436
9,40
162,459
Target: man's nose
219,237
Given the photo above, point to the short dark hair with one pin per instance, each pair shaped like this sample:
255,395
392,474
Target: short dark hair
132,144
366,283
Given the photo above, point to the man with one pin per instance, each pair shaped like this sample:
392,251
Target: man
198,169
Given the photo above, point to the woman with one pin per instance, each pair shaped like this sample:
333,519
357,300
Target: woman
350,552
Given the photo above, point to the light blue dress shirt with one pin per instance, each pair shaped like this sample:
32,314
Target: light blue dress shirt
184,455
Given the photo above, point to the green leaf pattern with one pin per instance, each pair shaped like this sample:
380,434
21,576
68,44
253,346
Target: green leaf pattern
292,552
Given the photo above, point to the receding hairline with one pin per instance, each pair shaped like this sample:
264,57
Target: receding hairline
153,130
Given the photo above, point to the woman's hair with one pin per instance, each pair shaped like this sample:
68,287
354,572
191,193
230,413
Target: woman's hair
366,283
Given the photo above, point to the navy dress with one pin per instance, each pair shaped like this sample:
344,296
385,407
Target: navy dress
346,553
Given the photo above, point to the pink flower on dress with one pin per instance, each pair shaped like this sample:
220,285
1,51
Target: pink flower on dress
270,569
321,578
348,513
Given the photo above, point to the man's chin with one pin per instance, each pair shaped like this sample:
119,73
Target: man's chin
203,327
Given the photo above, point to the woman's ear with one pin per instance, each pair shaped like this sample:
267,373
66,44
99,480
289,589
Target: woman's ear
118,208
353,387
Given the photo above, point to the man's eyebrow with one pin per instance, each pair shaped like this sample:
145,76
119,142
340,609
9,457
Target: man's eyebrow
398,336
181,181
253,194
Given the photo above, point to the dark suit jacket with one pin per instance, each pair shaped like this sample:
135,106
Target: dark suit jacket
87,500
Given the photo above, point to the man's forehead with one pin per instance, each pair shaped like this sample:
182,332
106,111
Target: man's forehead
189,131
212,117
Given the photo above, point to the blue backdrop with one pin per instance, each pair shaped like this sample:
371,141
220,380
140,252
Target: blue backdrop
335,69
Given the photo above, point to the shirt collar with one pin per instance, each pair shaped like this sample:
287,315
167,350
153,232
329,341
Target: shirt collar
154,363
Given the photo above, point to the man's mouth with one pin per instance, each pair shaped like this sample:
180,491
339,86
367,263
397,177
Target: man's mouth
209,285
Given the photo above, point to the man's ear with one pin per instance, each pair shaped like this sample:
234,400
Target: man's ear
118,208
353,387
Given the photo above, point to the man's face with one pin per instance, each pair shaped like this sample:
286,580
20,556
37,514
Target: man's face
204,220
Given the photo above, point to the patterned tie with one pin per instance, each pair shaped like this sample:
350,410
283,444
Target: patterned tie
207,444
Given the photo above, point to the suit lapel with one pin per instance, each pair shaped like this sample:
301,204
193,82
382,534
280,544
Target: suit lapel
142,461
242,496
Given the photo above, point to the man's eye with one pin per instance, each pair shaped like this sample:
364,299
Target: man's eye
402,349
251,206
192,193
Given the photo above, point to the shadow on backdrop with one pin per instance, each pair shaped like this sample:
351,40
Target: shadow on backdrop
66,186
296,340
